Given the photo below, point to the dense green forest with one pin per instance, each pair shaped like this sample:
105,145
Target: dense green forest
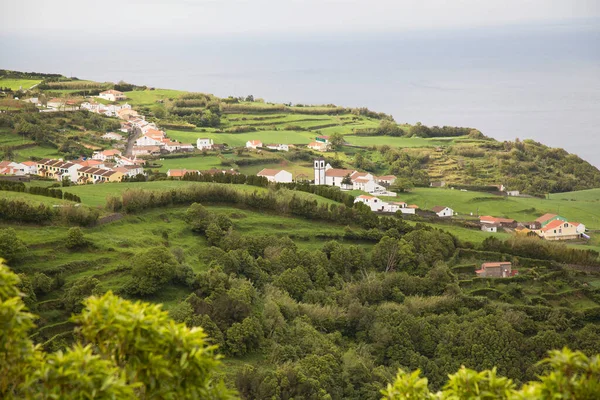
115,357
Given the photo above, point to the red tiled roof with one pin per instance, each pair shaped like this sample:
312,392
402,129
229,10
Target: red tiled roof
269,172
337,172
112,91
111,152
364,196
553,225
545,218
181,172
494,264
437,209
496,220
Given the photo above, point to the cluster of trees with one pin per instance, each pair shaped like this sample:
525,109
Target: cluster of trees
134,200
536,169
329,192
38,190
219,177
421,130
23,211
542,250
387,127
8,74
49,129
411,170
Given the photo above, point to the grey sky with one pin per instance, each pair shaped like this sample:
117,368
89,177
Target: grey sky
150,18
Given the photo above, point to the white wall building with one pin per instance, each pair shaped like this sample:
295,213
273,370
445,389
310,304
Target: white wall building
254,144
106,155
112,136
112,95
276,175
148,141
279,147
317,146
204,144
373,202
492,228
442,211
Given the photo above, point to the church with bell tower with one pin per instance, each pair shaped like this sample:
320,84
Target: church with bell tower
320,171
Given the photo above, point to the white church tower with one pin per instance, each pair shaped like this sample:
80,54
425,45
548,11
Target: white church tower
320,171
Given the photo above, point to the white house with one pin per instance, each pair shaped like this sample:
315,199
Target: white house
124,161
186,147
204,144
152,132
171,146
30,167
373,202
112,95
130,170
442,211
513,193
11,168
253,144
400,206
580,228
148,141
489,228
276,175
112,136
145,150
385,180
279,147
106,155
318,146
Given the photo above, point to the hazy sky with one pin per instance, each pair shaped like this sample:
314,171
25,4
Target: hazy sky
150,18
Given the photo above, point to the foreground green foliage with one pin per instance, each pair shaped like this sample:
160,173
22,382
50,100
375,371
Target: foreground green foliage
568,375
127,351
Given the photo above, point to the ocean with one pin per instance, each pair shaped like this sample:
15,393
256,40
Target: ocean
540,82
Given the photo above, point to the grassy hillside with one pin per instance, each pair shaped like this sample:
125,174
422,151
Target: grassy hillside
519,208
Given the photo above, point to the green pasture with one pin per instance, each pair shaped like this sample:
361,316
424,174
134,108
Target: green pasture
36,151
397,141
149,97
592,195
198,162
520,208
240,139
15,84
49,201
